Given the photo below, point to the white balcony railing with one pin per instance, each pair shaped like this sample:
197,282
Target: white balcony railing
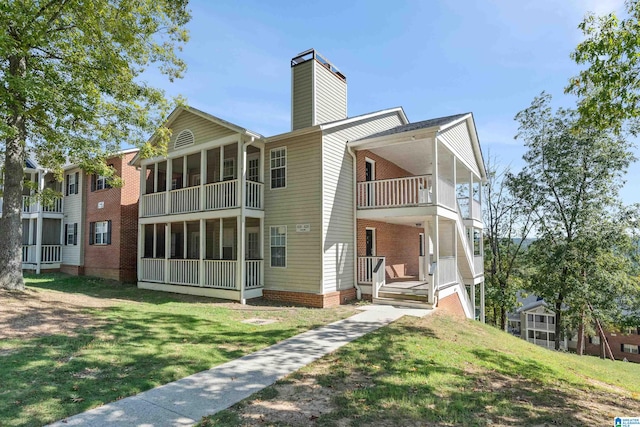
154,204
29,254
476,210
51,253
152,269
55,207
220,274
396,192
474,213
220,195
366,264
184,271
254,195
446,193
478,264
253,274
447,270
27,207
184,200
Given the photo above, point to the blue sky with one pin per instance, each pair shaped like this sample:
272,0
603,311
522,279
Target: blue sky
433,58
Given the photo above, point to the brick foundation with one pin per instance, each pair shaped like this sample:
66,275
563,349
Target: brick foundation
452,305
332,299
74,270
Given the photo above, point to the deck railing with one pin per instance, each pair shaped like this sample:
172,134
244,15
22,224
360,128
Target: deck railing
395,192
478,264
253,275
220,274
152,269
154,204
447,270
365,268
446,193
29,254
54,207
27,207
221,195
50,253
254,195
185,200
184,271
474,213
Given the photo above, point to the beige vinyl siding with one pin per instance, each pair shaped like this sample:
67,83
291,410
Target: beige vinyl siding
299,203
337,206
331,96
458,140
73,213
203,130
302,95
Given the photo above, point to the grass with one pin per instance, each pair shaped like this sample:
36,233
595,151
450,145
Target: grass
442,370
143,340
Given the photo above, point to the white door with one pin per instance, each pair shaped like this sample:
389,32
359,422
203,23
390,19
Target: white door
253,168
253,243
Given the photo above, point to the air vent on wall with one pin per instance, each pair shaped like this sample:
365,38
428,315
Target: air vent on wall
183,139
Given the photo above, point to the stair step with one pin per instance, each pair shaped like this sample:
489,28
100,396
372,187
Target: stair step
402,303
403,295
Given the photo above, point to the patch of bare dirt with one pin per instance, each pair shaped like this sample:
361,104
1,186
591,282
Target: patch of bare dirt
34,313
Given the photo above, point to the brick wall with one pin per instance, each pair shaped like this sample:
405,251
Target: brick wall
400,244
384,169
452,305
311,300
615,340
116,261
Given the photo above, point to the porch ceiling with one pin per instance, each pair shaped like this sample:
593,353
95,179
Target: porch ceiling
413,156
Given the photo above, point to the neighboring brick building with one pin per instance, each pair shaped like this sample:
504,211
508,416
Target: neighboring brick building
111,222
624,344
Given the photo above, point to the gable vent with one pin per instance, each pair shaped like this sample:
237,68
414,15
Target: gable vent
183,139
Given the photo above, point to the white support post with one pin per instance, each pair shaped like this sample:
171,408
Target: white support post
473,299
434,172
141,241
143,191
155,177
154,253
39,226
167,199
184,240
221,229
185,172
241,221
454,180
203,176
221,162
167,250
435,232
203,248
482,318
470,194
261,249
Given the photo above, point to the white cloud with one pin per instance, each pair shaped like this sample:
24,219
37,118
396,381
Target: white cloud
599,7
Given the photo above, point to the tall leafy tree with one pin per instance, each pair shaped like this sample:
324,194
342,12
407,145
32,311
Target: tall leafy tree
71,73
570,184
609,87
507,228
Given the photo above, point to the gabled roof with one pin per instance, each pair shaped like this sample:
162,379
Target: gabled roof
439,122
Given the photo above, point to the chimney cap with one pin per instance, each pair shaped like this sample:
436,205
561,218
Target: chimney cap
310,54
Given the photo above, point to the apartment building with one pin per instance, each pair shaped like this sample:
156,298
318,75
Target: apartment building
340,207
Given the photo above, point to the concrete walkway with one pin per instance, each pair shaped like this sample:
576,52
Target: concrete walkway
186,401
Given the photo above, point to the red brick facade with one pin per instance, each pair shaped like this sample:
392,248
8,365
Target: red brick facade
312,300
117,260
384,169
452,305
616,340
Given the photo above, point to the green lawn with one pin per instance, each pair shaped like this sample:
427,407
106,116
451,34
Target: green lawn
442,370
144,339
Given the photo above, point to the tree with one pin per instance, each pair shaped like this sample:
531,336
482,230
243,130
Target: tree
609,87
72,90
507,228
570,184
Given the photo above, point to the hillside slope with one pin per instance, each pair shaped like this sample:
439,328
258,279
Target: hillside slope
442,370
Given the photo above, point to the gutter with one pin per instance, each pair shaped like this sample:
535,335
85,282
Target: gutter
355,226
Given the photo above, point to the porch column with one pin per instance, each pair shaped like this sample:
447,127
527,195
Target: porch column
141,240
427,251
482,319
203,177
241,220
434,172
454,181
261,249
203,247
167,249
473,299
435,232
470,194
167,199
39,225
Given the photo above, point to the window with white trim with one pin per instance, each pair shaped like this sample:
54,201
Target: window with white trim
73,181
228,169
629,348
279,246
100,233
278,166
71,234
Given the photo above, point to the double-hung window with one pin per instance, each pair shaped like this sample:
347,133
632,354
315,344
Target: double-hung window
73,181
100,233
278,164
71,234
279,246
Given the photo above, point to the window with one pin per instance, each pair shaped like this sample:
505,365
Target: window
71,234
629,348
541,319
99,182
279,246
100,233
253,169
530,317
228,169
594,340
278,167
72,183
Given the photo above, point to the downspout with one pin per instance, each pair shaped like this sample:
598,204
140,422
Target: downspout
355,225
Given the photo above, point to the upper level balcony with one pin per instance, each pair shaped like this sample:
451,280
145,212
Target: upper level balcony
205,180
30,205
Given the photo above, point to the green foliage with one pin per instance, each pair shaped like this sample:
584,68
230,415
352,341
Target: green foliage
571,184
609,87
79,82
